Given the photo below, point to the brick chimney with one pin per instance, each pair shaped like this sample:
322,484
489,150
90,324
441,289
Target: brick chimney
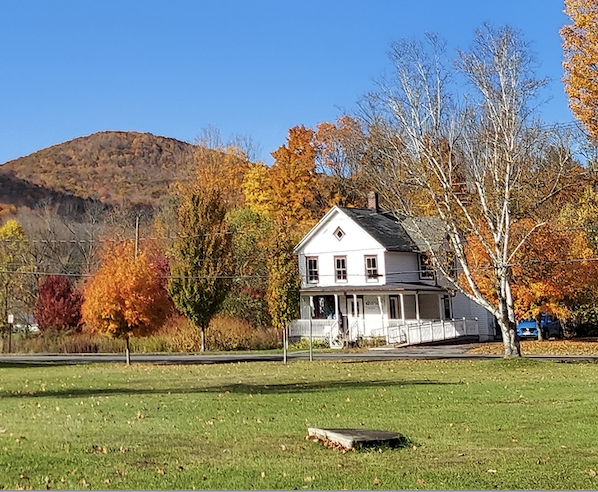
373,201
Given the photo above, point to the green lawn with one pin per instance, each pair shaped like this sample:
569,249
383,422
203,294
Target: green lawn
474,425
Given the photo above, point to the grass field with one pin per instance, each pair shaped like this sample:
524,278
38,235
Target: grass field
519,424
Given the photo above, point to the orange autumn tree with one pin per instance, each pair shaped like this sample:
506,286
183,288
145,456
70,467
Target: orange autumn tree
549,266
342,147
580,46
126,297
293,177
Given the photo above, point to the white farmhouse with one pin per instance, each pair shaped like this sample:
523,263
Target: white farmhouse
364,276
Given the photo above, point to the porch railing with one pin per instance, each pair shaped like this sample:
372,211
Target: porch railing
408,332
325,330
412,332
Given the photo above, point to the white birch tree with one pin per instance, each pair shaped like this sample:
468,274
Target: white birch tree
461,142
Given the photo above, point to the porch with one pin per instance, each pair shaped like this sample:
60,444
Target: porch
397,313
396,332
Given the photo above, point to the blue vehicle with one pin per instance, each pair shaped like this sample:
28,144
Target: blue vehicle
550,326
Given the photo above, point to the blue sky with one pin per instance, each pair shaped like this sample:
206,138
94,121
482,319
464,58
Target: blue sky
70,68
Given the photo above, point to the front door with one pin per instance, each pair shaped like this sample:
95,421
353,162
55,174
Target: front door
356,325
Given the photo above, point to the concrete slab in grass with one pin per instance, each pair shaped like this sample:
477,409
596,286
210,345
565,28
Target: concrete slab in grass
357,438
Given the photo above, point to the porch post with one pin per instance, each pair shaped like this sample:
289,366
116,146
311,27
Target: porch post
356,313
311,310
417,305
441,306
336,310
402,308
382,318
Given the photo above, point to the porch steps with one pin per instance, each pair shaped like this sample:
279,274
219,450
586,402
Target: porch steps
356,438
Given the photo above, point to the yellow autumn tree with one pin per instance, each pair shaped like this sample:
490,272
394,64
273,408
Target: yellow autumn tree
126,297
582,215
18,285
221,167
257,189
580,47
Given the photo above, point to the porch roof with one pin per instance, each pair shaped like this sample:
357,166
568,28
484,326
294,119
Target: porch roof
385,288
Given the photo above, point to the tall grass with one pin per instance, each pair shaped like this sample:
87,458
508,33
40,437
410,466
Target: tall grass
178,335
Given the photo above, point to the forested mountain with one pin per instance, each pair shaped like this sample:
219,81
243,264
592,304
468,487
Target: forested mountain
111,167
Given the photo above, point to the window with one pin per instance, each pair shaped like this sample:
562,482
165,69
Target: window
371,268
340,268
446,304
312,269
339,233
323,307
425,267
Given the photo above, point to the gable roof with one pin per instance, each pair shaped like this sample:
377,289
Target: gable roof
384,228
399,235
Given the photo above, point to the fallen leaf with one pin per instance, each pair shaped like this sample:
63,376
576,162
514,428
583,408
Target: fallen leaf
376,481
283,447
591,473
420,481
263,474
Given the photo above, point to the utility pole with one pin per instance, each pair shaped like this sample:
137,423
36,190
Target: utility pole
5,317
136,235
11,320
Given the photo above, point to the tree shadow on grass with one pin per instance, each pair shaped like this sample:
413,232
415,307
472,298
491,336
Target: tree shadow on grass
235,388
35,364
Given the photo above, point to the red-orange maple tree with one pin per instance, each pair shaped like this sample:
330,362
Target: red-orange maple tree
126,297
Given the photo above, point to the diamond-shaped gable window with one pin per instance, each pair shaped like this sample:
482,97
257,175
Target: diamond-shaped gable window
339,233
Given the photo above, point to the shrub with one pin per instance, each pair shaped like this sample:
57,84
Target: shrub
58,305
303,344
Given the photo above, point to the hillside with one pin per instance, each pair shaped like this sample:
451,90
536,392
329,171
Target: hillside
112,167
